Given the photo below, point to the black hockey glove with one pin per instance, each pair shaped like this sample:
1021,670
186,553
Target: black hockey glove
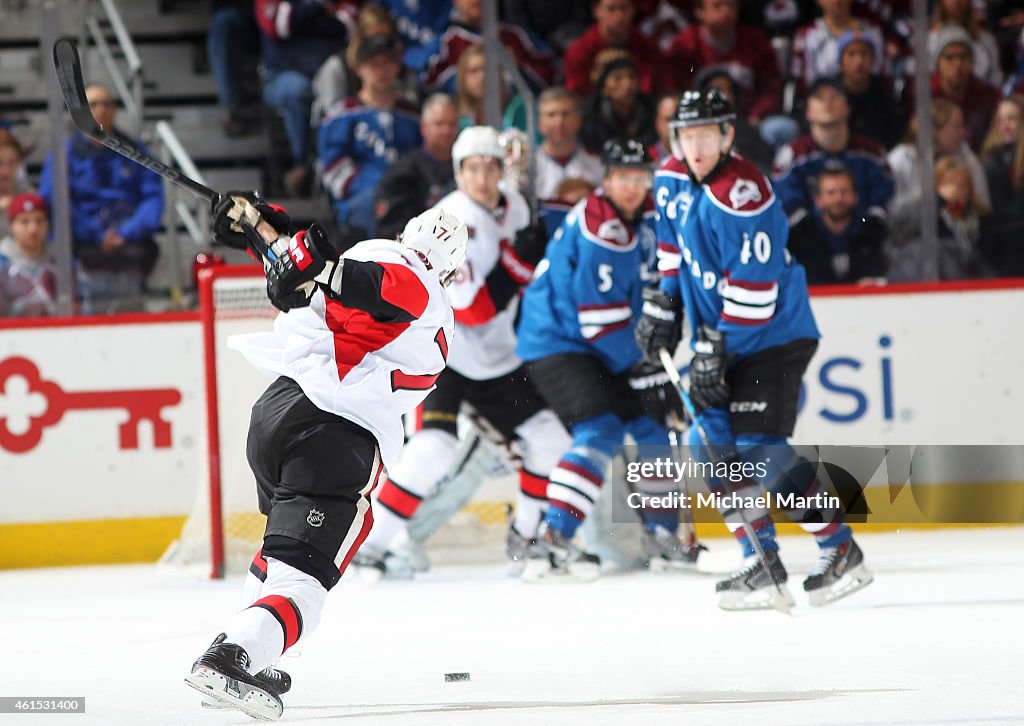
658,396
291,277
531,243
708,388
228,231
660,325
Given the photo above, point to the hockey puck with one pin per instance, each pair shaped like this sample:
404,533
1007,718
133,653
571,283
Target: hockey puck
455,677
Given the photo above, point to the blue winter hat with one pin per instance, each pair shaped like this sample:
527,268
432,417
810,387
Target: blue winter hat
853,36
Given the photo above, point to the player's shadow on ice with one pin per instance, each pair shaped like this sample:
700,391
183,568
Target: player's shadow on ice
691,698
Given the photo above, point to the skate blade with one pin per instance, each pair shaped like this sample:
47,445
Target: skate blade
538,571
661,566
764,599
253,702
853,580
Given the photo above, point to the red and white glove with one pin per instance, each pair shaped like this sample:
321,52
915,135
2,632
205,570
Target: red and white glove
298,262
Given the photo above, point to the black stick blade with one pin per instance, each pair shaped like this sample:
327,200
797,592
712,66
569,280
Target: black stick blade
68,67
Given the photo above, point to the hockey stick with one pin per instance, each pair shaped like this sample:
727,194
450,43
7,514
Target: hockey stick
676,440
68,67
779,601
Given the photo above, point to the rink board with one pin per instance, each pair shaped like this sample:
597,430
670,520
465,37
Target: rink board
901,365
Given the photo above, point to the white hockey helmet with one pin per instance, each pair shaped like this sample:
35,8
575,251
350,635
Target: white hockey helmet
476,141
440,239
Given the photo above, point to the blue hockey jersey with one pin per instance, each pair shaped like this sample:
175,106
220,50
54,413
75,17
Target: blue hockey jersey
358,144
722,246
585,294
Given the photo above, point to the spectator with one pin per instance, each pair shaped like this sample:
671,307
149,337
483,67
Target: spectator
953,79
830,141
617,109
1003,155
613,28
960,13
748,55
959,228
419,22
421,176
557,23
778,18
115,207
232,37
28,276
873,111
534,59
469,88
1005,18
363,136
662,20
816,45
298,36
335,80
11,181
560,156
664,111
748,141
835,245
947,140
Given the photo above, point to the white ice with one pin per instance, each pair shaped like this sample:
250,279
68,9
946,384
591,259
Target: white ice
938,638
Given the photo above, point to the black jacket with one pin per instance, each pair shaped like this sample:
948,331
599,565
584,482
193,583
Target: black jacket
413,184
809,244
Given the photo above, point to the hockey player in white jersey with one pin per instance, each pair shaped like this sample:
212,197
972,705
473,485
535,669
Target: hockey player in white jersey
361,341
483,369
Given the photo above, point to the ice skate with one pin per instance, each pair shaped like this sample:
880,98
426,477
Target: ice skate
665,552
519,549
557,559
222,674
272,679
839,572
753,587
372,567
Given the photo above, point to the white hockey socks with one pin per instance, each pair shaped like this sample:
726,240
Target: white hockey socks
289,609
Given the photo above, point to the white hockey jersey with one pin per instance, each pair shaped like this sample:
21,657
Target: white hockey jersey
372,355
485,339
551,172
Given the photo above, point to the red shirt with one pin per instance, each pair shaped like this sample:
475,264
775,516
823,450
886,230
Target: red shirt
579,61
751,62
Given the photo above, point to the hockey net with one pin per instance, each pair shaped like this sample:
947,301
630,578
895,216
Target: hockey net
225,528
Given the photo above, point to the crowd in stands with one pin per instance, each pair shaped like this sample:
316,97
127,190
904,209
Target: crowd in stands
370,96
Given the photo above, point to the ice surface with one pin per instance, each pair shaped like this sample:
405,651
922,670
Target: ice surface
938,638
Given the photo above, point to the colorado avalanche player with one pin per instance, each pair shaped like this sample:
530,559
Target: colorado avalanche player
576,333
722,251
483,370
362,341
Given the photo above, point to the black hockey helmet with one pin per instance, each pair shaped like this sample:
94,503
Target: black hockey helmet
697,108
625,154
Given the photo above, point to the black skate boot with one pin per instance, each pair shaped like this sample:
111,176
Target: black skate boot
839,572
273,679
222,674
665,552
557,559
753,587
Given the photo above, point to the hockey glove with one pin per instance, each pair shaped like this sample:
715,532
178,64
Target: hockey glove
658,398
291,277
531,243
228,231
660,325
708,388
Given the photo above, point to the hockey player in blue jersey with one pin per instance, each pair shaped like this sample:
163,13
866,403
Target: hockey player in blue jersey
576,334
722,252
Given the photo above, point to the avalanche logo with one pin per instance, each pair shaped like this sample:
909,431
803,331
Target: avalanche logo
315,518
743,192
614,231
